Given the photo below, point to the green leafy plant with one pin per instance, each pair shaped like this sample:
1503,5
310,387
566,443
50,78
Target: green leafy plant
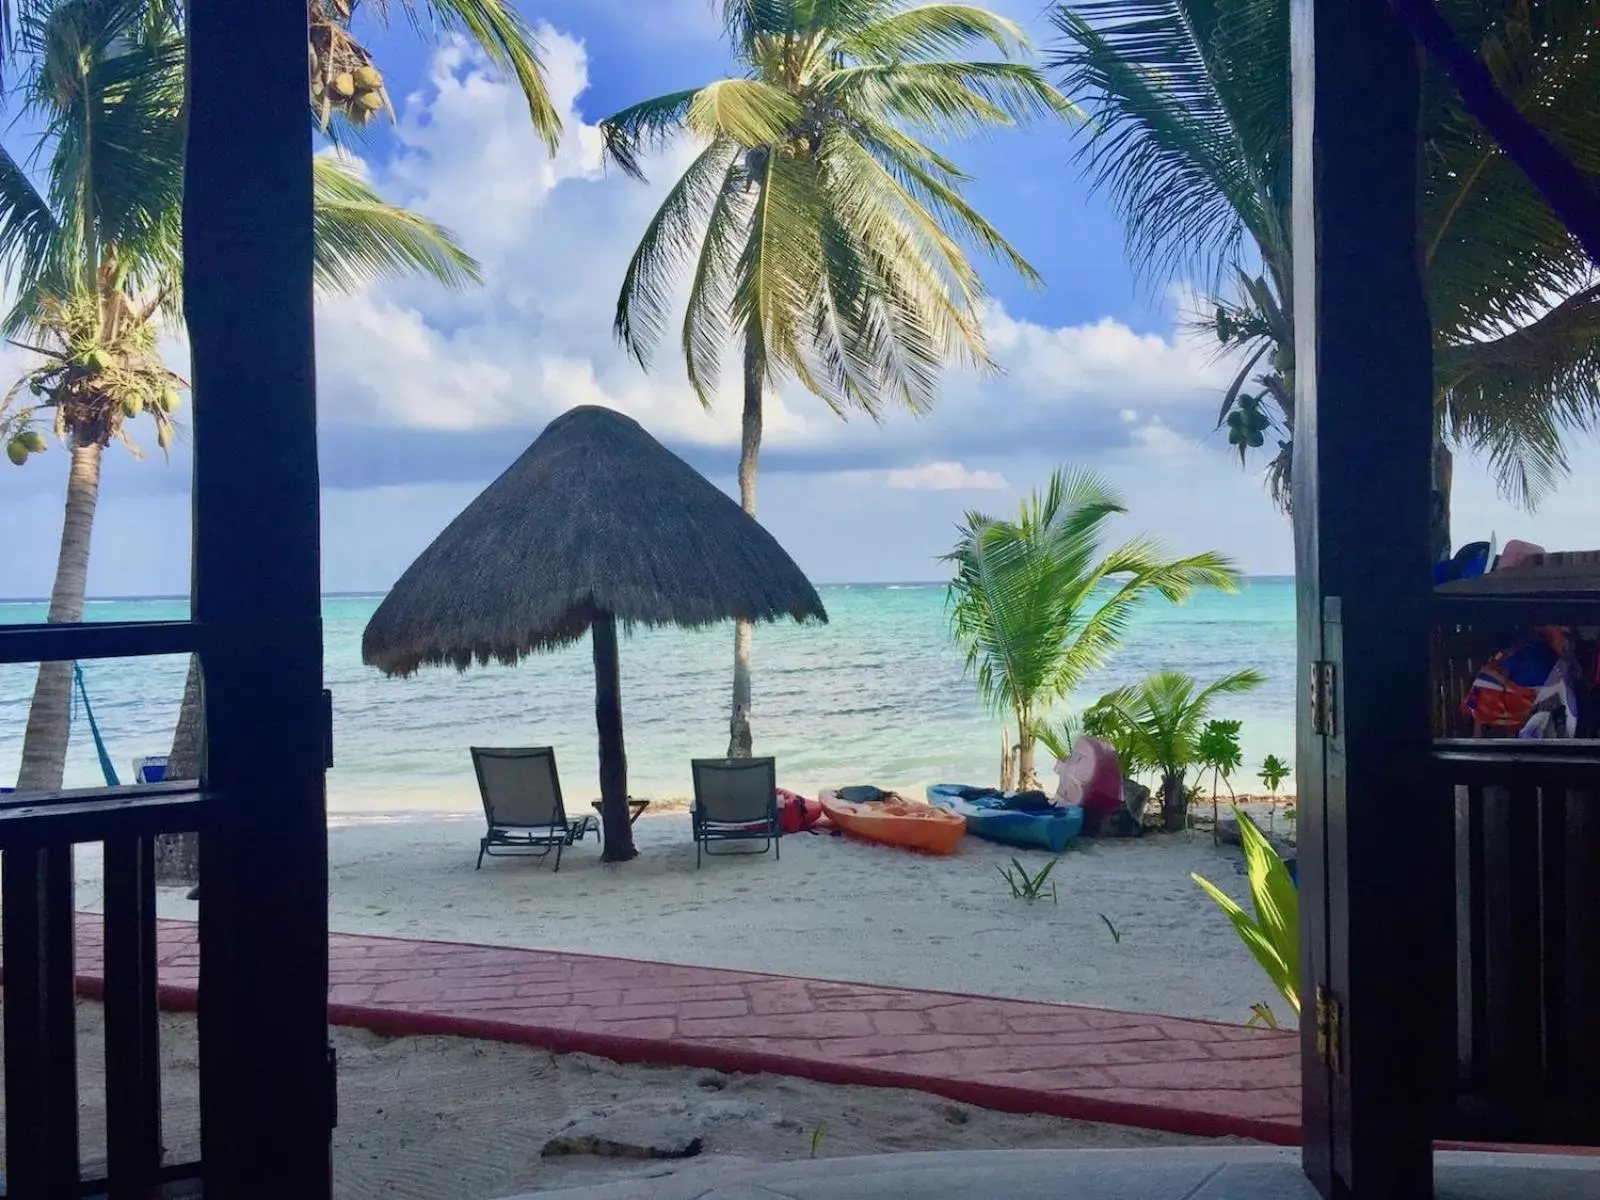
1263,1016
1037,603
1160,720
1272,935
1217,748
816,232
817,1134
1116,934
1029,887
1272,774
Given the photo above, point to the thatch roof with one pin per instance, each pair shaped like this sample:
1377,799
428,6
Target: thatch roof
596,516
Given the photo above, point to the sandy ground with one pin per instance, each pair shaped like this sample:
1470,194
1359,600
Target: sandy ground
452,1119
830,909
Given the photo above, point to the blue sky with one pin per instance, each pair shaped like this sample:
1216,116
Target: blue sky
425,396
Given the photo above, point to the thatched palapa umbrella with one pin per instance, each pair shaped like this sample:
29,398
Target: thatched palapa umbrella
596,523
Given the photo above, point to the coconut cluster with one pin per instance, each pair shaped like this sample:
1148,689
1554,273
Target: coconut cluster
29,441
343,78
358,94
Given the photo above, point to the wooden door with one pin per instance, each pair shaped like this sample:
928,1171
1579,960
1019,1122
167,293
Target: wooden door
1373,902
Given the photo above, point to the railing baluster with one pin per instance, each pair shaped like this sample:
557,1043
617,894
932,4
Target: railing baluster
133,1050
1511,927
40,1024
1580,1013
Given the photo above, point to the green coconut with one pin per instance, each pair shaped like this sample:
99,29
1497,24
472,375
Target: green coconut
345,84
167,400
164,435
132,406
16,451
368,79
371,101
33,440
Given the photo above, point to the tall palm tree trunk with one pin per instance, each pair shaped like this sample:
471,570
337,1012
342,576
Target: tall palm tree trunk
1174,802
177,855
1027,777
44,744
740,742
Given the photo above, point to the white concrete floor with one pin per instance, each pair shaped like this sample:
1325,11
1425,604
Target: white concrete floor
1199,1173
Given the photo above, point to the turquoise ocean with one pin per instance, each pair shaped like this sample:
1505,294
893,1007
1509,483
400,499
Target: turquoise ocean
879,695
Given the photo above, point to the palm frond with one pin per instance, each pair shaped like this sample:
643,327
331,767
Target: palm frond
630,133
360,238
1188,128
110,105
748,111
931,30
1521,396
668,242
511,45
947,99
28,229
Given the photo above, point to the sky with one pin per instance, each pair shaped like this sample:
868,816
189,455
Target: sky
426,395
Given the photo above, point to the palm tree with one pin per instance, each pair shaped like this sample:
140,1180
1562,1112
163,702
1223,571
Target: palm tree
95,262
1162,719
1190,137
334,50
1037,605
816,231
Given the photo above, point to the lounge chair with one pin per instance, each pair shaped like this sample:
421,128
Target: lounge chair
735,800
522,803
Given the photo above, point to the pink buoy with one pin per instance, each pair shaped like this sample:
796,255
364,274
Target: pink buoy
1092,777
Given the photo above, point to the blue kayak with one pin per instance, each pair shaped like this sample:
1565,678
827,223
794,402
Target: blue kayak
1049,828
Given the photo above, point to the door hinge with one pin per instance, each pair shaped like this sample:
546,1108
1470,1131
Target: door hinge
327,729
333,1087
1324,707
1330,1034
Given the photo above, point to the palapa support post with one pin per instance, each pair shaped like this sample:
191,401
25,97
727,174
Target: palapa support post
613,756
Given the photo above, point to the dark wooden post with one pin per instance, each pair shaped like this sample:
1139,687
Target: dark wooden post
1376,841
266,1079
613,755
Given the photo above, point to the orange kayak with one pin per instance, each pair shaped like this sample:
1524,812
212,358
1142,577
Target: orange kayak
897,823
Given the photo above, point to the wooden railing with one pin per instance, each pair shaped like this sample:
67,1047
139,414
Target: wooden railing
1526,895
37,834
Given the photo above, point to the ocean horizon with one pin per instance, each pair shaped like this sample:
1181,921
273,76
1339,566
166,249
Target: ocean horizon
878,695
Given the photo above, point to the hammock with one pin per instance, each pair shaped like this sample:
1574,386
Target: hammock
109,771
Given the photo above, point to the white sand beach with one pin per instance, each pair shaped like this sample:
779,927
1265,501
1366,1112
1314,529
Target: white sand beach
430,1117
831,908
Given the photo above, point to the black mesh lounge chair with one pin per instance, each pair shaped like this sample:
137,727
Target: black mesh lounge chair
735,799
522,803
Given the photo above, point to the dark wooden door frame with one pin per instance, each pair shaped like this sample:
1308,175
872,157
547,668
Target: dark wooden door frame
1361,498
265,1071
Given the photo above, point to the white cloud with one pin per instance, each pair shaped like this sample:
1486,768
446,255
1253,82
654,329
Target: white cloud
554,237
1164,443
945,477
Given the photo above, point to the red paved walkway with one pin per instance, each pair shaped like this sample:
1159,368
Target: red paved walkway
1186,1076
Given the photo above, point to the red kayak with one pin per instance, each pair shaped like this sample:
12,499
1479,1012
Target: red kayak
796,814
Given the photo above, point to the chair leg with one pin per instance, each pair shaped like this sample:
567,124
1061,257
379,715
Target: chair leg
557,871
482,846
777,845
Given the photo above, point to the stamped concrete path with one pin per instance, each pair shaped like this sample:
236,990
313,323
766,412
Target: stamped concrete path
1196,1077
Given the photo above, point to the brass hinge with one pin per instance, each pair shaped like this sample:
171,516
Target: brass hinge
1329,1033
332,1085
1324,708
